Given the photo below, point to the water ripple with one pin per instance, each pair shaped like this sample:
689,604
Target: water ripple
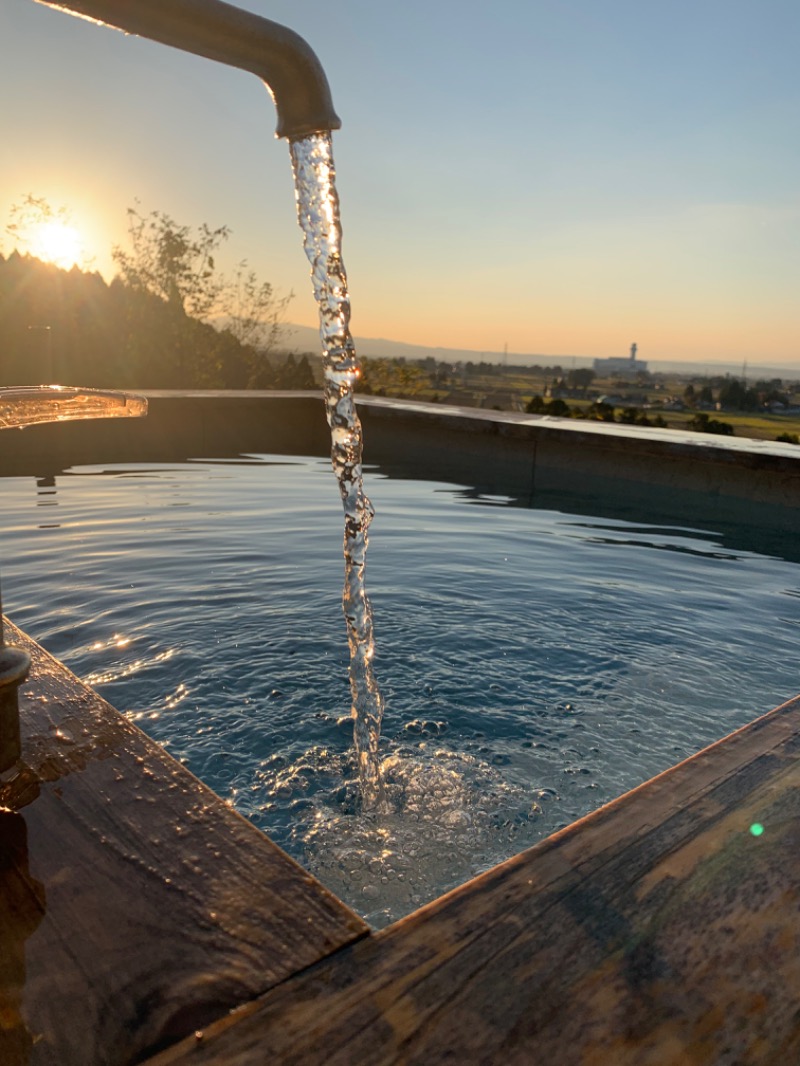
534,664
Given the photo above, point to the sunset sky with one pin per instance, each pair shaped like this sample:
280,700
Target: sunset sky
561,176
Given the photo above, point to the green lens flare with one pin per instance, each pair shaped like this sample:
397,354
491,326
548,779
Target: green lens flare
756,829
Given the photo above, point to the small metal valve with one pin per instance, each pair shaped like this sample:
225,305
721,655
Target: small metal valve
14,666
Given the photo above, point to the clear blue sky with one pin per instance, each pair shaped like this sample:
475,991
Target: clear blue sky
564,176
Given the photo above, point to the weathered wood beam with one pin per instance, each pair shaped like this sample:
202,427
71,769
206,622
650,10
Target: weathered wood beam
135,906
663,929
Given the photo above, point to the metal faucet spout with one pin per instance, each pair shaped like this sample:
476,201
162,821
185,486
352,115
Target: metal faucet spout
216,30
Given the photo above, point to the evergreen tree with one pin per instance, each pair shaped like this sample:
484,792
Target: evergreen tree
149,328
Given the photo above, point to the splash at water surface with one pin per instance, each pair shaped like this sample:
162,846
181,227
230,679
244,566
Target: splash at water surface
318,215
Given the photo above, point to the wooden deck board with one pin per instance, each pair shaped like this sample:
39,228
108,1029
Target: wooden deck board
135,905
659,930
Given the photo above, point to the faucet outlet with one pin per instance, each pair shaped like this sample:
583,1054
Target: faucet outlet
216,30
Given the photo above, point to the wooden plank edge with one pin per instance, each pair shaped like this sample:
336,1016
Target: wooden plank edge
536,871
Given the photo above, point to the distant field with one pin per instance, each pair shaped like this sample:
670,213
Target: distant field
759,427
512,388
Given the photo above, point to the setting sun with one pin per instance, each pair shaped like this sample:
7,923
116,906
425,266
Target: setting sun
57,242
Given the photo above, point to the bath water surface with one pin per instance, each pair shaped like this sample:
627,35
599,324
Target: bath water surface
535,663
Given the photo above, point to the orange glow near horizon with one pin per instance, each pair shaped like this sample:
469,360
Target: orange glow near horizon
57,242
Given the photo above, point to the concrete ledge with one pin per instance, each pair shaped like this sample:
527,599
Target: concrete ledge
688,476
540,454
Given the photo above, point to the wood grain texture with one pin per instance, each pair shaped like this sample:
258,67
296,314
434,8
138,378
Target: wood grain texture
658,931
135,905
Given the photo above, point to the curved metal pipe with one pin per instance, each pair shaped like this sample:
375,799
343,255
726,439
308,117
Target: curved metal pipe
282,59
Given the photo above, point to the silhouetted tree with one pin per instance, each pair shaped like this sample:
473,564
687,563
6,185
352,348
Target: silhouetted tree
601,412
33,215
72,327
295,374
171,261
736,396
581,378
704,424
178,265
252,311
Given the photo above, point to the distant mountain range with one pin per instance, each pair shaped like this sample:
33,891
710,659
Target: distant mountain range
306,339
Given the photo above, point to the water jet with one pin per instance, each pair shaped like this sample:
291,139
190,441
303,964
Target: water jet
292,73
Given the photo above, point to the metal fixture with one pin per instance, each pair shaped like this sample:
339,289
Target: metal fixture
211,28
14,666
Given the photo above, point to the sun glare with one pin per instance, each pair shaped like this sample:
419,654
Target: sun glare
58,243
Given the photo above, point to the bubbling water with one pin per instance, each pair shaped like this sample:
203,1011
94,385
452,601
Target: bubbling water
318,215
446,815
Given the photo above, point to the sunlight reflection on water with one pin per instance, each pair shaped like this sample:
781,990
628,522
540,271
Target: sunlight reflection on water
535,663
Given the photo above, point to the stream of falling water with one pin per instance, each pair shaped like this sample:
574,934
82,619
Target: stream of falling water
318,215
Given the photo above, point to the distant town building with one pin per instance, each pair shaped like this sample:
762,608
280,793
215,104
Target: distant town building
617,366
